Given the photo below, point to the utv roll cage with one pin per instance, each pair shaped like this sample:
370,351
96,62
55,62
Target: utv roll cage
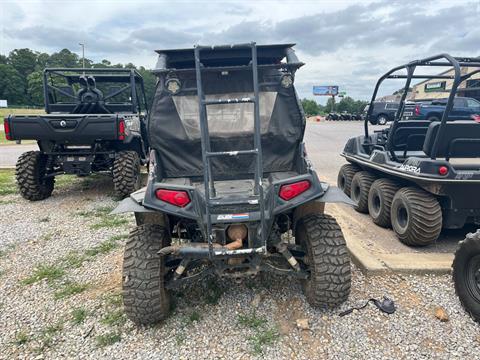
438,60
78,80
247,57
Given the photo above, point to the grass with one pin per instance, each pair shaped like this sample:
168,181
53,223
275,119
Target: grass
193,317
47,334
114,318
263,335
7,182
252,320
213,293
69,289
263,338
48,272
21,338
105,219
79,315
106,246
108,339
73,260
115,299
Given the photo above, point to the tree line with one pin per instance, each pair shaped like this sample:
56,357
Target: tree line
311,107
21,74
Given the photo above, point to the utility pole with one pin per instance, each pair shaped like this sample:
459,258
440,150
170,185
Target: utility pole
83,54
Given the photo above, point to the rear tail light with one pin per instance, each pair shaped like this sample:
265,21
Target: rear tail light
175,197
443,170
476,118
289,191
6,126
417,110
121,129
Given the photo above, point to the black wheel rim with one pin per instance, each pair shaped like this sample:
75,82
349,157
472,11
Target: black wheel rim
376,203
472,276
355,192
402,216
342,182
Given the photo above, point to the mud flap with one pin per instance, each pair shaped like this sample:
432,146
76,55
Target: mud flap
132,204
333,194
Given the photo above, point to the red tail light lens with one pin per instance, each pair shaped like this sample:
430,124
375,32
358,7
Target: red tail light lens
175,197
443,170
289,191
121,129
417,110
6,126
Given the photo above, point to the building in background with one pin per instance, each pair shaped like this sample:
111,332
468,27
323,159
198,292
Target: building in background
439,88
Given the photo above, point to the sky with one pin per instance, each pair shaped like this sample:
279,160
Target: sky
344,43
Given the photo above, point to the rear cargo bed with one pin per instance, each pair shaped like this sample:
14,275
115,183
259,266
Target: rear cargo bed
64,128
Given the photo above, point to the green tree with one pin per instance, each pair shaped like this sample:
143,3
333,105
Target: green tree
3,60
12,86
330,107
64,58
310,107
149,82
42,61
23,60
35,88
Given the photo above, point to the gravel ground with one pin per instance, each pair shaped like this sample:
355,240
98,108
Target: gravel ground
76,311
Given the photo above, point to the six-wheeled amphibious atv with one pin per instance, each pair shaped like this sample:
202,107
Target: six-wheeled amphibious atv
229,182
466,274
418,176
94,122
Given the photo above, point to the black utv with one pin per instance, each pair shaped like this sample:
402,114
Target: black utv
94,122
466,274
230,191
418,176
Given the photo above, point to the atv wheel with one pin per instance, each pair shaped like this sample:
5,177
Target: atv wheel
126,173
328,260
416,216
345,176
30,173
382,120
359,189
466,274
145,298
380,199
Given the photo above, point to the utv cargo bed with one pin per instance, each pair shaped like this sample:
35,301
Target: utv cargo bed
68,128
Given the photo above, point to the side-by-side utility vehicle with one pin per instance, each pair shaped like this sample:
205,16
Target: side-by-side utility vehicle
94,122
418,176
230,190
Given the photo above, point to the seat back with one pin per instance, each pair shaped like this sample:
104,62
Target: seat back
410,135
461,139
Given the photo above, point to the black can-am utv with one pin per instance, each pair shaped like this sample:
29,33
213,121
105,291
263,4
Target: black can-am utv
466,274
418,176
95,122
229,180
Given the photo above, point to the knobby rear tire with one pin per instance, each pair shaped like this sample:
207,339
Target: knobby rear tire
328,260
30,174
145,298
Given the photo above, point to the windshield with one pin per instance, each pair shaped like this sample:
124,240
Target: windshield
225,119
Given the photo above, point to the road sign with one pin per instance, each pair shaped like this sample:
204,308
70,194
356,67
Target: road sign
330,90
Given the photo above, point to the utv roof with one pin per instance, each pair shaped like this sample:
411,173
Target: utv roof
100,74
227,55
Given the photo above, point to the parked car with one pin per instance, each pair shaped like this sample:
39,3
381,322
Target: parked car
382,113
463,109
